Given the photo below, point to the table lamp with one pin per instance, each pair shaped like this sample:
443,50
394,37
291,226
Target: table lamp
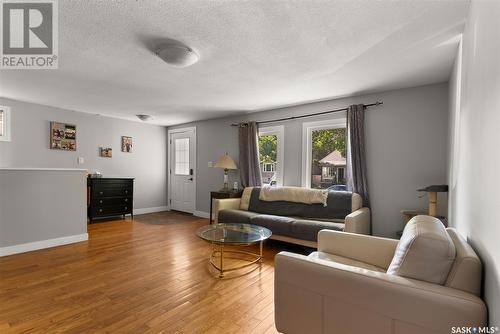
227,163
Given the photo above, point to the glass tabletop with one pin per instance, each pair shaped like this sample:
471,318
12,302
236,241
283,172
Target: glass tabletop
233,233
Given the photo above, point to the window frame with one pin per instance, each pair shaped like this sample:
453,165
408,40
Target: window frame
337,122
186,154
279,132
6,124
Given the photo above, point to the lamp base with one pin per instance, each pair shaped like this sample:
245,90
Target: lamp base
226,183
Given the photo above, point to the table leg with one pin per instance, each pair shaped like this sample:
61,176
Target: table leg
221,261
210,217
261,242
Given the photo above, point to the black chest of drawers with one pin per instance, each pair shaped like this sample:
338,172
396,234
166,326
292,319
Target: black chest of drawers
108,197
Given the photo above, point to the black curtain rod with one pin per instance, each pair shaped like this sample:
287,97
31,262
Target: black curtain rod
310,115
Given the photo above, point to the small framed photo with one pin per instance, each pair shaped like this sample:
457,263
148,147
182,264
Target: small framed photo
126,144
62,136
105,152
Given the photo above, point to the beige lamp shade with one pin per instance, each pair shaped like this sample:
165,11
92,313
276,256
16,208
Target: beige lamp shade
226,162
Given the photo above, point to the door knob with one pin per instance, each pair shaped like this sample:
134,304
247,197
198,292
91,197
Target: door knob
190,179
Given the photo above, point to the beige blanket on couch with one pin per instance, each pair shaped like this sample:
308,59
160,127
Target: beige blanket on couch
293,194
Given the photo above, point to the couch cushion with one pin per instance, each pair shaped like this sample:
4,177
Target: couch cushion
425,251
235,216
245,198
339,204
357,202
345,260
279,225
467,269
309,229
295,227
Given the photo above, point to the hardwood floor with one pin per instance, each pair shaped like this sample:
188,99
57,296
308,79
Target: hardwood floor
149,275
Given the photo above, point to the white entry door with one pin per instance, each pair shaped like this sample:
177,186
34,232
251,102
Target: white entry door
182,144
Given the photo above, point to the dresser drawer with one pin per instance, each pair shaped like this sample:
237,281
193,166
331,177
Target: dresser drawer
110,210
112,182
111,191
105,201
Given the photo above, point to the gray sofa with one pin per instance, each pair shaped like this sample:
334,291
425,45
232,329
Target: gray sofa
293,222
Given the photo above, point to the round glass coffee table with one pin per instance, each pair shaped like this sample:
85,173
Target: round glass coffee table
221,235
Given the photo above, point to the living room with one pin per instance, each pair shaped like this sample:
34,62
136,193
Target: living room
260,167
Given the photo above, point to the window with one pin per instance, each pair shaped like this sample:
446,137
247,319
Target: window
268,166
182,156
324,154
4,123
271,154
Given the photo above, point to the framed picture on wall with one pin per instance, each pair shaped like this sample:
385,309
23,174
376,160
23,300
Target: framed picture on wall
126,144
105,152
4,123
62,136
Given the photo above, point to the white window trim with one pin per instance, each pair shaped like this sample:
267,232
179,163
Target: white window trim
307,128
7,128
279,132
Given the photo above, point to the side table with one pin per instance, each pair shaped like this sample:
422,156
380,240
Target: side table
409,214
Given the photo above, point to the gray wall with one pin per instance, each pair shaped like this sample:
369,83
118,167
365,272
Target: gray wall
30,147
37,205
475,141
406,148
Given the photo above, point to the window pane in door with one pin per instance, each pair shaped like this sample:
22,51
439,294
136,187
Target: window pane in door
328,160
181,156
268,156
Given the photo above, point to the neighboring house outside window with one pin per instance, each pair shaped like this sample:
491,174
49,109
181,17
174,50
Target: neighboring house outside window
268,166
332,168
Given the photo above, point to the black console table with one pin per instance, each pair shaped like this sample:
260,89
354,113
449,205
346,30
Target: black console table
107,197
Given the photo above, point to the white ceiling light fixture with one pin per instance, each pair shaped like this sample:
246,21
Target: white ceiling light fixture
178,55
144,118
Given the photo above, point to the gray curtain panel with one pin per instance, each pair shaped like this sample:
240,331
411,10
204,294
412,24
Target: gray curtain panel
249,155
356,157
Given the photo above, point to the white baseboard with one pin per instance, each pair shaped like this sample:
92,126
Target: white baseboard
151,210
31,246
201,214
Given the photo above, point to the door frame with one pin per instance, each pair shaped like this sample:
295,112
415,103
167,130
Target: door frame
170,132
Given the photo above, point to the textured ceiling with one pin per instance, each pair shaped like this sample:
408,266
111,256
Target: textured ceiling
255,55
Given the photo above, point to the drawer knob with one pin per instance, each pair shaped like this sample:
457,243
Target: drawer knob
126,208
100,192
100,210
126,191
126,199
100,201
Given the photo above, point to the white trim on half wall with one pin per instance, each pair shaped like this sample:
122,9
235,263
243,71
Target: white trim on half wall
151,210
36,245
